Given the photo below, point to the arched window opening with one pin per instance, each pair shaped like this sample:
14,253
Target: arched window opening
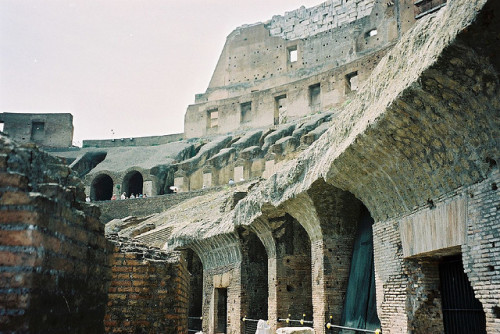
133,183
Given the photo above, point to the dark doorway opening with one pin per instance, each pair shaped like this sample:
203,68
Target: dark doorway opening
195,268
255,290
132,183
280,109
102,188
221,316
462,312
294,270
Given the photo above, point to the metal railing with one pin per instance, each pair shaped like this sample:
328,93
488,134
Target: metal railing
296,321
249,325
356,330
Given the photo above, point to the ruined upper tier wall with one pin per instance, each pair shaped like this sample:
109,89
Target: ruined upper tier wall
46,130
332,34
305,22
296,64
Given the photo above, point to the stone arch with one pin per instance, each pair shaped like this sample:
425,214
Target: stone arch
133,183
221,257
332,218
289,261
101,188
260,226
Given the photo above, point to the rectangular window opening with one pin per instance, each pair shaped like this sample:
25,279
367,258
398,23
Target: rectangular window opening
213,118
372,33
280,109
315,95
37,130
246,111
293,54
351,81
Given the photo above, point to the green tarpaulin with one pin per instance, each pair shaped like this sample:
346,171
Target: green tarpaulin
360,309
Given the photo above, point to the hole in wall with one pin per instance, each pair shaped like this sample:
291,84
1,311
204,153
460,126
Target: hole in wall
494,186
431,204
371,33
491,162
496,311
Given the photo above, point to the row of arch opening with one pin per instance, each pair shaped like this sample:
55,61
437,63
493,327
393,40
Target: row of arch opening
103,187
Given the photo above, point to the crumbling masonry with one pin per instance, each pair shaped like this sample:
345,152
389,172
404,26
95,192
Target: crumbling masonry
343,152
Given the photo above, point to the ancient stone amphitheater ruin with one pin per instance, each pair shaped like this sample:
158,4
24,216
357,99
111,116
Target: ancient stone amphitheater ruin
341,169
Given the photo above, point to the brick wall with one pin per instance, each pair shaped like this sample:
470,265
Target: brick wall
482,250
223,277
293,270
390,279
424,296
254,277
148,291
408,296
53,254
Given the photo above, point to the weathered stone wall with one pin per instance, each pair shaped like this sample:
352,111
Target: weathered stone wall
53,254
253,155
134,141
305,22
46,130
146,206
148,291
334,91
262,63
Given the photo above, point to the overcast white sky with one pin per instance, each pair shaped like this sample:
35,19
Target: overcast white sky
131,67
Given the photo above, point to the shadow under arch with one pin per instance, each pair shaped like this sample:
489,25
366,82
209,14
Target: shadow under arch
195,291
133,183
288,246
101,188
254,278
